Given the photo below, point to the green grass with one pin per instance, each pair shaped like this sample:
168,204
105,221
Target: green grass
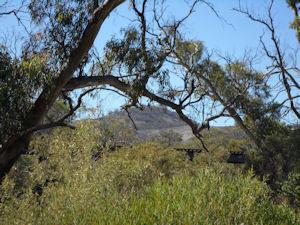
144,184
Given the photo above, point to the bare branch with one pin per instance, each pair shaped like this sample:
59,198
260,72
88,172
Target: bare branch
276,55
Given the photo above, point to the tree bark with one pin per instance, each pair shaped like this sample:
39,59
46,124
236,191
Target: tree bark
12,150
233,113
11,154
82,82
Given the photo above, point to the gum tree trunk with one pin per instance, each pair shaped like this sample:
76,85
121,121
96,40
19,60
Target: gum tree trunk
12,150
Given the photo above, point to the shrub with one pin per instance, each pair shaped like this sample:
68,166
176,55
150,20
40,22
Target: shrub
291,189
207,198
141,184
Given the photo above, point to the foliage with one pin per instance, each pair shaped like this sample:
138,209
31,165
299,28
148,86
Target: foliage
245,94
54,156
190,51
134,62
279,155
167,137
20,80
294,5
62,23
59,181
58,110
207,198
142,184
236,145
291,188
115,132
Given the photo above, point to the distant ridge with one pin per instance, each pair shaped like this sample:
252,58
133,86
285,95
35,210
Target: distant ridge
152,120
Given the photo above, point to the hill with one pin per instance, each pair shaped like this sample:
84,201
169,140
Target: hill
152,120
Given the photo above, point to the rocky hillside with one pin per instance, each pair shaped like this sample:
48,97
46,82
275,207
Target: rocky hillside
150,118
153,120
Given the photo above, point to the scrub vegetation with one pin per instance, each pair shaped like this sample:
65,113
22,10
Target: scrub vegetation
62,183
61,164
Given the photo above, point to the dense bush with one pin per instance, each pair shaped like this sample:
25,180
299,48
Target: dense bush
279,155
144,184
291,189
20,80
167,138
115,131
206,198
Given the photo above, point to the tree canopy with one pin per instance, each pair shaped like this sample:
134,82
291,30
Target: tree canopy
143,61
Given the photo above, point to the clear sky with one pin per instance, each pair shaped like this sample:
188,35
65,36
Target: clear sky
233,34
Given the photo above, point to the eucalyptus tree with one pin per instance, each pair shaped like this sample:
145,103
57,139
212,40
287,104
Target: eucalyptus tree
152,59
67,31
283,68
295,7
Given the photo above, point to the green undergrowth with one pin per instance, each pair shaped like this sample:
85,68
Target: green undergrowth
141,184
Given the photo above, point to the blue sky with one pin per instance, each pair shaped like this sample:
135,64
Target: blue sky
232,37
233,34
